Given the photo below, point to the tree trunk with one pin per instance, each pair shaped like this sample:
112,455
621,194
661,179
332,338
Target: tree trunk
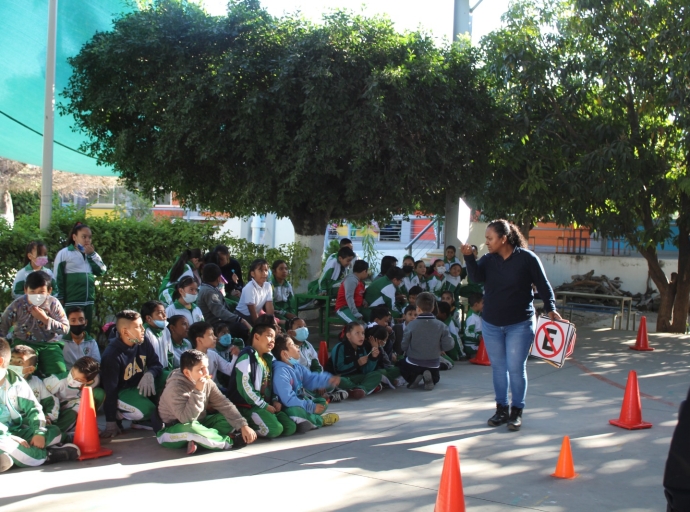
682,280
310,231
525,226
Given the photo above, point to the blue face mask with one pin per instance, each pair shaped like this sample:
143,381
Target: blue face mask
301,334
81,248
225,340
293,361
159,323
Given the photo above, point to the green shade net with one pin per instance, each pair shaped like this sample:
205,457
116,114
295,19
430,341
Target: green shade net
23,41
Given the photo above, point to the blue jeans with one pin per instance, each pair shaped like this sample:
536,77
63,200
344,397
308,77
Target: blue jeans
508,348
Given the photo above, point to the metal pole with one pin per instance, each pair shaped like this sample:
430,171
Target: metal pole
462,21
49,119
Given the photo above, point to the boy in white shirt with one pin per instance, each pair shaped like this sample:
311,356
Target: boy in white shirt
204,340
257,294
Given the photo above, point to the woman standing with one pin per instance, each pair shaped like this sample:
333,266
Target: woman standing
508,321
75,268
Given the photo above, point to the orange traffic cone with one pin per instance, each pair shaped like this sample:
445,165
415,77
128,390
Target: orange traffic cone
86,434
482,357
323,353
642,342
564,466
631,412
451,497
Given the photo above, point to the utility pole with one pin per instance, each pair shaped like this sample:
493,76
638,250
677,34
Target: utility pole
49,119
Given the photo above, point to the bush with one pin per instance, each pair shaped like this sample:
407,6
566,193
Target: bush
137,252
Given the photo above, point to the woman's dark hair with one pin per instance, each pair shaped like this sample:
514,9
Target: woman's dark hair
348,328
503,228
256,264
387,262
185,281
280,345
149,307
178,268
276,264
30,247
76,229
379,332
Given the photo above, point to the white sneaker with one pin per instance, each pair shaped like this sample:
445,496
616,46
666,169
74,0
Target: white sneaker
6,462
400,382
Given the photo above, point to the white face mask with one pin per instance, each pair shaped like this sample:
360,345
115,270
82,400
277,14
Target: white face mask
190,298
19,370
73,383
36,299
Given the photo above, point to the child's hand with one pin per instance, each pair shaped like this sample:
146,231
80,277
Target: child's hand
394,357
375,352
271,409
363,360
466,250
201,383
334,381
277,406
38,441
19,440
319,409
389,328
248,434
88,249
39,314
235,350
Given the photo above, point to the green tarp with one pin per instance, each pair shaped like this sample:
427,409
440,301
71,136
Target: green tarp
23,40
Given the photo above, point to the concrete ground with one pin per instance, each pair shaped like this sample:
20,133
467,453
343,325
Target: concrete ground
386,453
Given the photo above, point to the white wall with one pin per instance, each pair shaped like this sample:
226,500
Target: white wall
284,232
632,270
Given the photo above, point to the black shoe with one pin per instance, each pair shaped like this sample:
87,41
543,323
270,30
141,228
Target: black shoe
238,441
515,421
62,453
428,381
415,382
500,417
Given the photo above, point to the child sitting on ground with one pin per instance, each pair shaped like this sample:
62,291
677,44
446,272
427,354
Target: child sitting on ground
25,439
251,388
39,321
423,342
175,335
291,381
227,347
355,364
473,324
444,315
189,393
67,387
383,291
453,280
438,278
351,293
23,363
409,314
204,340
412,296
308,356
78,342
449,299
377,336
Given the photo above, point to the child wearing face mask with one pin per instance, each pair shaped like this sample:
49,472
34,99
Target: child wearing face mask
290,382
39,322
154,318
23,362
184,301
308,356
35,258
67,388
438,279
411,278
78,342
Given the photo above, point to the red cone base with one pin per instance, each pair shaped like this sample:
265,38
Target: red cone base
482,357
86,434
631,411
642,342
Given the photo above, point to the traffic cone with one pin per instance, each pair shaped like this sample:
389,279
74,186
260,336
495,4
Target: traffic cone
451,497
86,434
631,412
564,466
642,342
482,357
323,353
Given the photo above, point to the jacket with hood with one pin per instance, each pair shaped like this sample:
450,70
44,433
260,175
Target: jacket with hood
182,402
290,381
18,406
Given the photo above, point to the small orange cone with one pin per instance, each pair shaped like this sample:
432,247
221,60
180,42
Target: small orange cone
631,411
323,353
564,466
642,342
86,434
482,357
451,497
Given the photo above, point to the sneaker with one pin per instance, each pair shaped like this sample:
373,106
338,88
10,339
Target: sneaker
500,417
415,382
515,420
6,462
142,425
356,394
237,441
191,447
428,381
62,453
377,389
399,382
305,426
330,419
337,396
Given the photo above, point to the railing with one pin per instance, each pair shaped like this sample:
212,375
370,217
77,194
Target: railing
418,247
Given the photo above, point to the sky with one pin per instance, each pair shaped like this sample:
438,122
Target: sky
435,16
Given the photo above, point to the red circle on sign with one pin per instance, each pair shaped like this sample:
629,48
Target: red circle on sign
556,352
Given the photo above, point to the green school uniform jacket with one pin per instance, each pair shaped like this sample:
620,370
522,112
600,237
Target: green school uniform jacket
283,298
20,278
382,293
74,273
19,407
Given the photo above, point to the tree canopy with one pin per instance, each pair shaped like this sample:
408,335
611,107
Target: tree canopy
596,128
250,113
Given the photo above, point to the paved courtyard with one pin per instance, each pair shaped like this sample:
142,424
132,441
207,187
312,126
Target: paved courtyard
386,453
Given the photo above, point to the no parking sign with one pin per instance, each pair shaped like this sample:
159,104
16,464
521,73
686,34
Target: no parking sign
553,341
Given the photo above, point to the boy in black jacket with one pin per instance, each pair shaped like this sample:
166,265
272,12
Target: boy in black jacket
130,373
